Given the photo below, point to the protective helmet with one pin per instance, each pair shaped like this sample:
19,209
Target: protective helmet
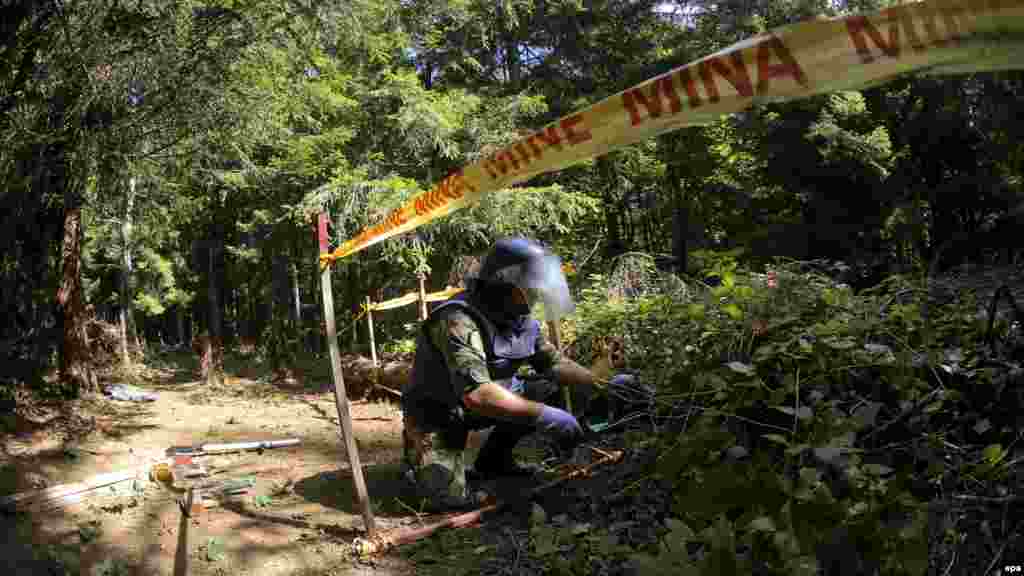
522,263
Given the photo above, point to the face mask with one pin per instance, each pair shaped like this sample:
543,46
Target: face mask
504,310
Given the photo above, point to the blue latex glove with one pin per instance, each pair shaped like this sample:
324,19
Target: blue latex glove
561,425
622,381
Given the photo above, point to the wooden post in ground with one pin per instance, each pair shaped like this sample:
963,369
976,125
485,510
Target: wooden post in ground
181,554
369,324
556,340
423,296
340,398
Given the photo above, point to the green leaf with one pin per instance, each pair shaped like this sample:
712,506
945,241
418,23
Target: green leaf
777,438
580,529
214,550
262,501
764,352
676,563
867,414
722,559
762,524
741,368
994,453
877,469
803,413
802,566
110,567
679,530
840,343
728,280
733,311
545,540
717,382
87,532
798,449
786,542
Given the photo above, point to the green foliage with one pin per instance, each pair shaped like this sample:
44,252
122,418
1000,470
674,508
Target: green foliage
214,550
111,567
799,376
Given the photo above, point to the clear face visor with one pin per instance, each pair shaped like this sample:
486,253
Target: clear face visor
543,281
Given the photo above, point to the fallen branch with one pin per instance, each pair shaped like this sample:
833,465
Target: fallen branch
66,493
990,499
999,553
389,390
905,414
400,536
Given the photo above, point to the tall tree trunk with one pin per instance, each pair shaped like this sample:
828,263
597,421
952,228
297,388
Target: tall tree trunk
680,222
316,342
280,312
354,297
511,60
213,292
611,214
296,297
74,365
180,318
214,343
127,320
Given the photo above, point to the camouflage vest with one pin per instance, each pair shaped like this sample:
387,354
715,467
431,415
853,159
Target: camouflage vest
431,379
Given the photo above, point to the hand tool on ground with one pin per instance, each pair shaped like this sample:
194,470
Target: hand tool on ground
210,448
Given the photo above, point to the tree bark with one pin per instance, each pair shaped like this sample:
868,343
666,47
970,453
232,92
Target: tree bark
214,342
180,318
611,212
353,290
680,223
74,365
296,297
127,320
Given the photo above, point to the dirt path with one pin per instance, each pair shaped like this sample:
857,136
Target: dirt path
298,519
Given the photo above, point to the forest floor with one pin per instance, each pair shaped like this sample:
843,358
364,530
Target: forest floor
299,518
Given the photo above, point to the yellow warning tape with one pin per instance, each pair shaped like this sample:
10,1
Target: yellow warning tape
812,57
413,297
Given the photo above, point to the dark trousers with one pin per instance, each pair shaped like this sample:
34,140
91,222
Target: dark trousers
454,424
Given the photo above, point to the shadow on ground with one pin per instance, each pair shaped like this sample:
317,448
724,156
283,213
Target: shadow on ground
390,495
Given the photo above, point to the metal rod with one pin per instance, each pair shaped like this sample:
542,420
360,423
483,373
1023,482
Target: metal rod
239,446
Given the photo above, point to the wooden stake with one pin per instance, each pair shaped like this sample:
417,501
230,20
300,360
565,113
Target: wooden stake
556,341
369,324
181,554
340,398
423,296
